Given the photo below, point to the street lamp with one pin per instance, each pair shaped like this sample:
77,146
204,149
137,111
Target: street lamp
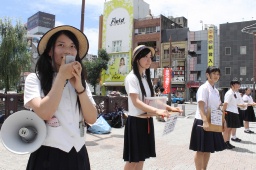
202,24
251,29
170,56
187,70
253,94
82,16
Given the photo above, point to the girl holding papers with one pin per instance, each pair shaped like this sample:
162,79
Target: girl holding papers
203,141
139,138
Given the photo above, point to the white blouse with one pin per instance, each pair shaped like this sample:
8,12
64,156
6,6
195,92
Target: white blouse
247,99
132,86
231,98
66,133
209,95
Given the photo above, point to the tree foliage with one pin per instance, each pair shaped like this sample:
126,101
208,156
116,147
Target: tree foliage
95,67
14,56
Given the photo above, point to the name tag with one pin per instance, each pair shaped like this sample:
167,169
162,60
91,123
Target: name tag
81,127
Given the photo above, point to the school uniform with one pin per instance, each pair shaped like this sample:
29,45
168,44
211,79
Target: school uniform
232,116
241,111
201,140
139,137
249,114
64,146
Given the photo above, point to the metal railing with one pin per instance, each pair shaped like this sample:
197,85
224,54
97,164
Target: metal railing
11,103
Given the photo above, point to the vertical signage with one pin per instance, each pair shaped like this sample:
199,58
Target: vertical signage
167,76
117,39
210,46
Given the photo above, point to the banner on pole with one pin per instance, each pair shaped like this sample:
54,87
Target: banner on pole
167,76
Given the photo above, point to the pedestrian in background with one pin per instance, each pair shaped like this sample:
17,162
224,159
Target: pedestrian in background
203,141
57,93
249,115
241,111
139,137
230,108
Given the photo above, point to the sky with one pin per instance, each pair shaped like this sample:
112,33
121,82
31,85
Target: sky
68,12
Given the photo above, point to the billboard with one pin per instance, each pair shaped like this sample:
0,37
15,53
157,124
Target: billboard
117,39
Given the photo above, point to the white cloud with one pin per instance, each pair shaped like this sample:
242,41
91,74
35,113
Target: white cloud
92,35
210,12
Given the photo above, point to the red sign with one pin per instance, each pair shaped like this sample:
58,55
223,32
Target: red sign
167,77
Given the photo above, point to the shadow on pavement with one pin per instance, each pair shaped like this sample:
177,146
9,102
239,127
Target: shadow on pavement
100,138
248,142
91,143
238,149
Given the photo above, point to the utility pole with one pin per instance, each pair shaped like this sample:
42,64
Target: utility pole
170,67
82,16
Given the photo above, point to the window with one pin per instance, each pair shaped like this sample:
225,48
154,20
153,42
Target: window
227,70
158,29
198,45
243,71
242,50
136,31
227,50
116,46
198,58
142,31
166,53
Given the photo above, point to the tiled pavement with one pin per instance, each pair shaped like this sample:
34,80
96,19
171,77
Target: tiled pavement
105,151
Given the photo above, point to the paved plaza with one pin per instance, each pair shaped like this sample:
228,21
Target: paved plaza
105,151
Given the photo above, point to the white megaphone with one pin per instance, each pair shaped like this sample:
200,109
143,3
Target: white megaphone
23,132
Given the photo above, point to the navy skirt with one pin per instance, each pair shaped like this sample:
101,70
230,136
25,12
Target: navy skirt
241,114
49,158
204,141
232,120
139,139
249,115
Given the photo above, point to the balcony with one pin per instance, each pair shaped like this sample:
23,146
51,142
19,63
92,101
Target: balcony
178,56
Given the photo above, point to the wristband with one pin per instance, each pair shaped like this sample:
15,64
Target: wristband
78,93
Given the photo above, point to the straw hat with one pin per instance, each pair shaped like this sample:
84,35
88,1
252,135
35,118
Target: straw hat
139,49
82,39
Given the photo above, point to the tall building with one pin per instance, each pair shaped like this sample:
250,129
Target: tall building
203,49
237,55
179,52
37,25
182,21
40,23
123,26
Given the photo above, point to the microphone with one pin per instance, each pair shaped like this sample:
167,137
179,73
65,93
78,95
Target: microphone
69,59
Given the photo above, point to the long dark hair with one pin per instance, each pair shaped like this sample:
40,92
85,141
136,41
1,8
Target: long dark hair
135,68
46,66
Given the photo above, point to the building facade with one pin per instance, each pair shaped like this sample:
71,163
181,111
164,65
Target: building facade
203,49
176,40
237,55
123,26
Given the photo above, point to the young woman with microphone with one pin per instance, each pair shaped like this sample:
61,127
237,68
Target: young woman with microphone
64,105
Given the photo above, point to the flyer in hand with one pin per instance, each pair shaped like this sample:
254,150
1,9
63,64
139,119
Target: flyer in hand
170,123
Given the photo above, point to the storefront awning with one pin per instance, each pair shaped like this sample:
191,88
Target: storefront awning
113,84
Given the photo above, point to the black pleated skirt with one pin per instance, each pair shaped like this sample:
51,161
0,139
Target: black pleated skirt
232,120
241,114
204,141
249,115
49,158
139,139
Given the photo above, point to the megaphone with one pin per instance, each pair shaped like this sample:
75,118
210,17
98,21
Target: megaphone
23,132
